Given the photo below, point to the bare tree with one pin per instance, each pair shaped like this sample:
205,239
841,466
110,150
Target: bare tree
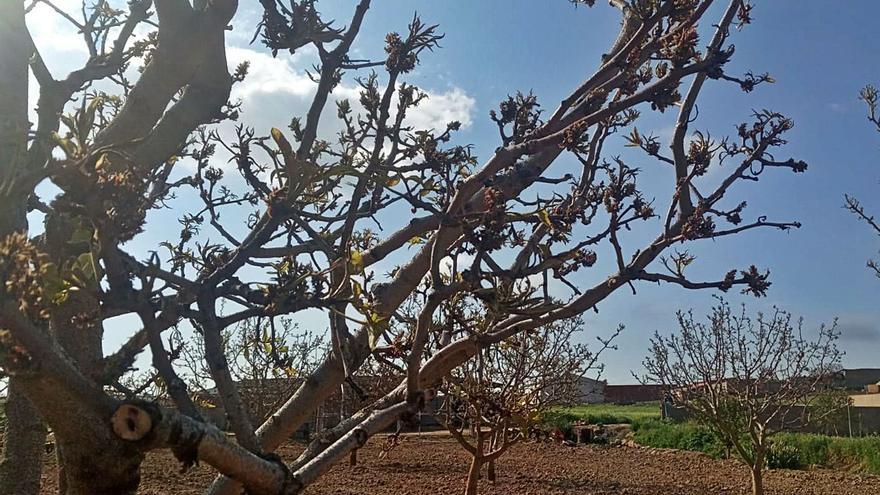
267,360
871,97
112,135
499,395
745,378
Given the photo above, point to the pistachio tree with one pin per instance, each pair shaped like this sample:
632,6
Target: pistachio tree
147,121
496,398
871,97
748,378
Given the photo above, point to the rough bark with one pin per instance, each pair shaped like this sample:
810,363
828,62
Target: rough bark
92,459
147,426
473,476
95,461
14,56
22,461
81,336
757,480
490,470
22,458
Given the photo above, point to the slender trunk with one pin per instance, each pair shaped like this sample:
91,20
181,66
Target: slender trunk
353,458
490,471
758,469
473,476
757,480
22,461
61,472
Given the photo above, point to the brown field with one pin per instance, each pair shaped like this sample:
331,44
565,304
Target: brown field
433,464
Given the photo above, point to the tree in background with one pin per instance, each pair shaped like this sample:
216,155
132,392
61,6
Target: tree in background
494,399
871,97
829,408
746,378
267,360
144,124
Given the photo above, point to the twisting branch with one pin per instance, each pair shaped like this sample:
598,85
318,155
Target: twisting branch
871,97
295,221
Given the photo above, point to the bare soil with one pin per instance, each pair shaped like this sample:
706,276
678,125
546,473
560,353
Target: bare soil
436,464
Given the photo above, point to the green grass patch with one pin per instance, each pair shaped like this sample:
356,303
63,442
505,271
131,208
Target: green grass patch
860,454
660,434
613,413
559,419
789,450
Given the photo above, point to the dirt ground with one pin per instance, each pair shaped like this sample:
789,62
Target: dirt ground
432,464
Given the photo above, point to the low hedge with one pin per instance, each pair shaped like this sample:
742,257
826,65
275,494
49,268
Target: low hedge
852,454
683,436
789,450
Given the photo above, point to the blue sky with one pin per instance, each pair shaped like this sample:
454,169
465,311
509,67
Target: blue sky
820,55
819,52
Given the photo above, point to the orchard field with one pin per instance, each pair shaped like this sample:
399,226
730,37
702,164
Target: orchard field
436,464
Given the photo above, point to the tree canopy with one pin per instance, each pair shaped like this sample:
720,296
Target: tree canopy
148,119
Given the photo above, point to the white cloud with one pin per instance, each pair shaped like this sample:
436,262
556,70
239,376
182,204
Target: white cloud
441,108
57,38
278,89
61,47
268,76
275,90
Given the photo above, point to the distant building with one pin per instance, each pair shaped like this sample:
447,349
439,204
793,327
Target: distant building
590,391
865,400
859,378
630,394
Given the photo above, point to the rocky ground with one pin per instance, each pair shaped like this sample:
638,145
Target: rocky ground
435,464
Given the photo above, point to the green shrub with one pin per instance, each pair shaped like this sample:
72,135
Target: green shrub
789,450
561,420
851,454
604,419
862,454
783,456
683,436
813,449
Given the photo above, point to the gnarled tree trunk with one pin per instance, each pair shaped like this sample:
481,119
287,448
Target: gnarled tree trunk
22,458
75,329
473,475
22,461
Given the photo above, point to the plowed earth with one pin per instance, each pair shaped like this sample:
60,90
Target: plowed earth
435,464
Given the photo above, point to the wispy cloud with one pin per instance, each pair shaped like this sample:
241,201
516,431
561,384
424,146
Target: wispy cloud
837,107
859,329
277,89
